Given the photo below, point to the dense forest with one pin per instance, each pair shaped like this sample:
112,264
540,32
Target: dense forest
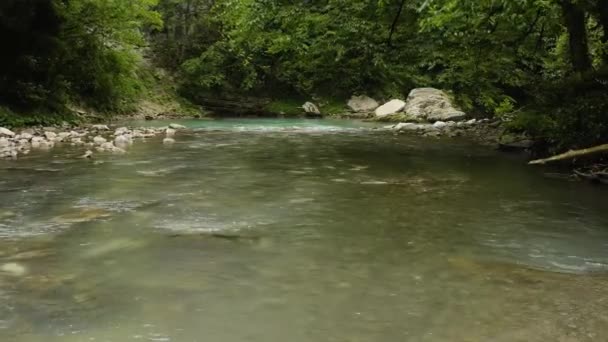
539,65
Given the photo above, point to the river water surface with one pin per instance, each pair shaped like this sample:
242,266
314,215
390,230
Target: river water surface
298,231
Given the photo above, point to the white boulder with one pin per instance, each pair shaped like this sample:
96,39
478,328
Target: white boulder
6,132
176,126
389,108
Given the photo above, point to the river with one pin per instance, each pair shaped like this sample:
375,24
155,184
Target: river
299,231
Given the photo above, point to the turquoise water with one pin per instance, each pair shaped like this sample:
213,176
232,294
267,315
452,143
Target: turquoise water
298,230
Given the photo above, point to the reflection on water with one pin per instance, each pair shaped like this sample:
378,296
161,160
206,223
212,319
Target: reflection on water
277,230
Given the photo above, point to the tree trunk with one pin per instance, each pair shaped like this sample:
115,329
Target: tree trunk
574,19
395,21
572,155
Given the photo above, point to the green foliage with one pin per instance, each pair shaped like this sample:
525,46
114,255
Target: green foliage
505,108
495,56
100,54
8,118
84,51
333,106
289,107
581,120
326,48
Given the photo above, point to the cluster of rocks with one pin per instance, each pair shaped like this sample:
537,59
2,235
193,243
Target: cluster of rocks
430,112
422,104
438,128
485,131
100,138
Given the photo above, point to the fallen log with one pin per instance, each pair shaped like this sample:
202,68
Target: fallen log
571,155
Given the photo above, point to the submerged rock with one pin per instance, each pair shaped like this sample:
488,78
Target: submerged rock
87,154
13,269
110,147
176,126
31,254
168,141
433,105
111,247
82,215
389,108
362,104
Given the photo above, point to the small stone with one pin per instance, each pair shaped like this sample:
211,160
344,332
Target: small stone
170,132
168,141
123,141
87,155
50,135
405,126
27,136
176,126
98,140
440,124
121,130
101,127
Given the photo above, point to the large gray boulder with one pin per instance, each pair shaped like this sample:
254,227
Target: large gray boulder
389,108
432,105
362,104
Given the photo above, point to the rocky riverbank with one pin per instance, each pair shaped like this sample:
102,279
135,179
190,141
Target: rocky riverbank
485,131
426,111
94,138
431,112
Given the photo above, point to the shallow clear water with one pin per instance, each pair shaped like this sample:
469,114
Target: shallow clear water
280,230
